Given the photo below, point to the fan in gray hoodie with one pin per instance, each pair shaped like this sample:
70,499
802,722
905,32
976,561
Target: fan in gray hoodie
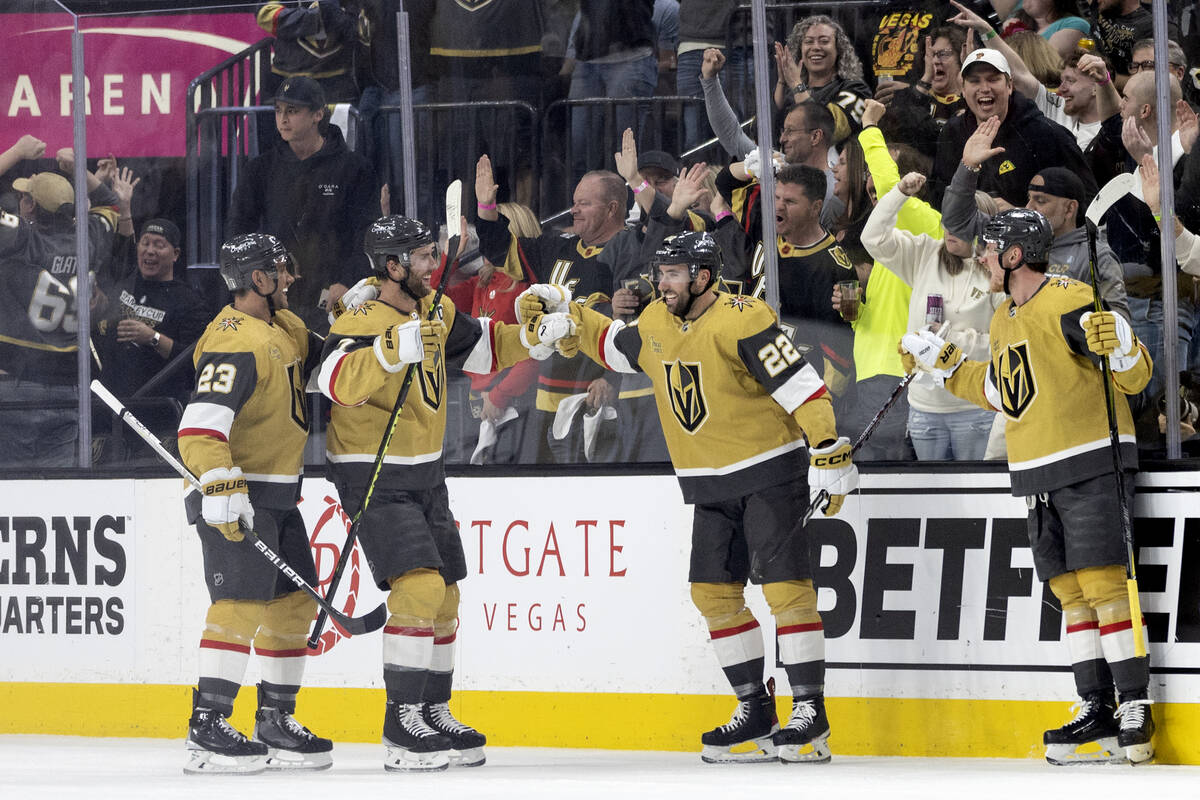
1060,195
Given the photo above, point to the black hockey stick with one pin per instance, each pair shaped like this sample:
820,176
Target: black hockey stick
1110,193
453,228
823,496
355,626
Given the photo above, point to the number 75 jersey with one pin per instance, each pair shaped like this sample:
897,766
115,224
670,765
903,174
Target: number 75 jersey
726,385
247,409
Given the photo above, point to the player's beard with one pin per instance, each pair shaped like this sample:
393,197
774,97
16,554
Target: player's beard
416,286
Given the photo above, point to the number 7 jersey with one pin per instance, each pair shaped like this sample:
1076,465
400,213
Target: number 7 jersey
247,409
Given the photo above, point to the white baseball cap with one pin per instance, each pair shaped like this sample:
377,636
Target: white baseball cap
993,58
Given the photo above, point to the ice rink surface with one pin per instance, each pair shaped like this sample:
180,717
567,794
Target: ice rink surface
69,767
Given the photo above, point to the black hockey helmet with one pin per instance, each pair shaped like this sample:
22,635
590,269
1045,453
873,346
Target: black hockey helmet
1024,227
394,236
698,249
243,254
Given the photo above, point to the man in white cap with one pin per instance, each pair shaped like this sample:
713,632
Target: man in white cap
1026,142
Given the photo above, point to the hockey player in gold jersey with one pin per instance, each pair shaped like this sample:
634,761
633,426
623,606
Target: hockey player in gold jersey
737,402
407,531
1044,375
243,433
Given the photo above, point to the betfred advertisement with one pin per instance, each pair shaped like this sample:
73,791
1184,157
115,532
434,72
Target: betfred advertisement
137,72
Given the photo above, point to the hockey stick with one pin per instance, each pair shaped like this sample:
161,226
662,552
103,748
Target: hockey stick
1113,191
453,228
355,626
823,496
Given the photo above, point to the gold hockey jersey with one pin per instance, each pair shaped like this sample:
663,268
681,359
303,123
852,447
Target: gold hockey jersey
364,393
727,386
247,408
1050,388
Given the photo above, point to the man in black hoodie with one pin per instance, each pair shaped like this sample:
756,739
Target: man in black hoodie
1026,141
313,194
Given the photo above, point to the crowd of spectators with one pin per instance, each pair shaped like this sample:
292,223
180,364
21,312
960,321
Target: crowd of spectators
900,130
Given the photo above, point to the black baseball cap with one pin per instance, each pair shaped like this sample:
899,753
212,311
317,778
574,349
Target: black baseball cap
1062,182
301,90
659,160
164,228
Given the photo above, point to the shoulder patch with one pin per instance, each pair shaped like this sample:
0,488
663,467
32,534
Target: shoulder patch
740,302
230,323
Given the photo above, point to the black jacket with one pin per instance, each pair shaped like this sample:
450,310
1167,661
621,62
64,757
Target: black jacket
1031,143
318,208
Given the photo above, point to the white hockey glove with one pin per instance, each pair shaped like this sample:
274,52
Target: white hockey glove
549,298
364,291
831,474
409,343
543,334
753,163
931,353
1108,334
224,501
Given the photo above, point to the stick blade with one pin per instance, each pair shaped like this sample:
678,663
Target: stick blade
1110,193
453,207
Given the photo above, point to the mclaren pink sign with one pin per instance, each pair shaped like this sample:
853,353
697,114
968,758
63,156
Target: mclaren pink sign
137,68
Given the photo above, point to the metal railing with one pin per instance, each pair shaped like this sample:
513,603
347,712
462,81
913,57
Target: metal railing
219,126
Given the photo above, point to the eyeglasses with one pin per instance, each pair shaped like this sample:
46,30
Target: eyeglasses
791,131
1138,66
943,55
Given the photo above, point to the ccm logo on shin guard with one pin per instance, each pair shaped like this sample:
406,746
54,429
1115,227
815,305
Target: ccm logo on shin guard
223,487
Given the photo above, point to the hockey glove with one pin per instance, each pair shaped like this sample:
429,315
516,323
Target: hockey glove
541,298
933,354
224,501
364,291
831,473
409,343
1108,334
543,333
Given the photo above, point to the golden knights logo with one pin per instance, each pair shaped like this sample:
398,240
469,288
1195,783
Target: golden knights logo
1017,384
432,371
229,324
840,257
686,392
433,378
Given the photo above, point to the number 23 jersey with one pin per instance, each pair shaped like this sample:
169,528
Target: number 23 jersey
247,409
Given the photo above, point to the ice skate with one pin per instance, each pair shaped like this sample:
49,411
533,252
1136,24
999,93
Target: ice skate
217,748
805,738
466,743
1136,730
746,738
1089,738
412,746
290,745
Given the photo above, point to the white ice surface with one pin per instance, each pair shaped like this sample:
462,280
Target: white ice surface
77,767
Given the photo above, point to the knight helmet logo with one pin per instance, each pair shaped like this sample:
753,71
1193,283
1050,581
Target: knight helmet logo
1018,386
686,391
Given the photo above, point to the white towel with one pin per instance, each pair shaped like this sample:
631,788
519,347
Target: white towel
568,410
488,431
